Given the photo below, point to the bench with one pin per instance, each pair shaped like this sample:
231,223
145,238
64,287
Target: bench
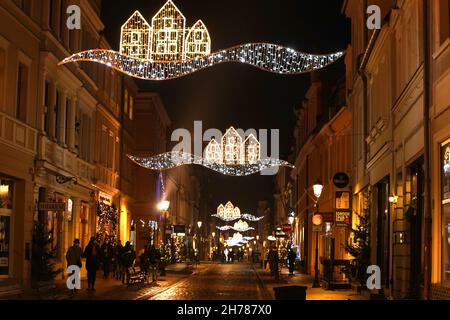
136,277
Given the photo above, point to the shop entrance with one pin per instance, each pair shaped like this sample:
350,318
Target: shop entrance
383,223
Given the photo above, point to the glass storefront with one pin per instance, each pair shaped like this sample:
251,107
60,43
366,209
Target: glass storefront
6,206
446,211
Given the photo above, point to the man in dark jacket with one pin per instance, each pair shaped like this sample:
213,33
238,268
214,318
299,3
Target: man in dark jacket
92,255
291,261
127,258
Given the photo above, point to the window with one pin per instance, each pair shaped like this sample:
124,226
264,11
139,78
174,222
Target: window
54,223
56,118
125,102
6,206
46,106
131,107
22,92
446,211
83,226
66,133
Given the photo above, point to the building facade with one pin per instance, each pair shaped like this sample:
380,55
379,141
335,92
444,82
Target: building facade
323,149
65,132
396,79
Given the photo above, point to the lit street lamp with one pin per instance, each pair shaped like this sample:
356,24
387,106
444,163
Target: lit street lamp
317,220
163,207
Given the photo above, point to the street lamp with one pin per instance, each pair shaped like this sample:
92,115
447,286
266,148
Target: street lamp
163,207
317,220
199,224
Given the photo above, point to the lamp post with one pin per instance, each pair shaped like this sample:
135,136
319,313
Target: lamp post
163,207
317,187
199,224
213,244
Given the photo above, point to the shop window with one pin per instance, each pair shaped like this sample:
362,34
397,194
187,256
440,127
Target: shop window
6,205
446,211
54,224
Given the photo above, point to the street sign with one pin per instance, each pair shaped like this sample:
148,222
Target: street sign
341,180
317,220
179,229
317,228
51,206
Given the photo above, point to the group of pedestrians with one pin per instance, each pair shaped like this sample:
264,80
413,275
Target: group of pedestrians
112,257
150,260
274,261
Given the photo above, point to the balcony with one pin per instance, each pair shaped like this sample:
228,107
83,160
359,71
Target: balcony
59,158
17,134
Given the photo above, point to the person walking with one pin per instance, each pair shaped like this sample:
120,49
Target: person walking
117,252
73,256
274,262
291,261
128,257
92,255
106,255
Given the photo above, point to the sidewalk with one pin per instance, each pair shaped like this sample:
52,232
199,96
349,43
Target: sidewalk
112,289
303,280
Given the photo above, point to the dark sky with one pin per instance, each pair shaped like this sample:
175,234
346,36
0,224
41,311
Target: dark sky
240,95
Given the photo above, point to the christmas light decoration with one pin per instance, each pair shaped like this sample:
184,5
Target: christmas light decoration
233,156
268,57
107,219
168,50
241,226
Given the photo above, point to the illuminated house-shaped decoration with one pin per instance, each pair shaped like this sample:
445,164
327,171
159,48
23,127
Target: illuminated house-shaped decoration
198,42
168,34
214,152
252,149
220,210
232,147
135,37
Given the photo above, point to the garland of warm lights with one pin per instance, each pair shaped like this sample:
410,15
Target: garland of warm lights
229,212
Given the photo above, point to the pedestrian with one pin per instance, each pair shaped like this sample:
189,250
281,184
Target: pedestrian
92,255
155,262
128,257
118,250
106,255
73,255
273,262
291,261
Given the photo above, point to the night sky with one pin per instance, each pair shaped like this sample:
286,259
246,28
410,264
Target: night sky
240,95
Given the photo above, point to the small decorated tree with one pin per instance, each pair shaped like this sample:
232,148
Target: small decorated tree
359,248
42,269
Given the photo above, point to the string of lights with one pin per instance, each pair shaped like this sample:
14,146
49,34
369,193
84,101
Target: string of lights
240,226
174,159
268,57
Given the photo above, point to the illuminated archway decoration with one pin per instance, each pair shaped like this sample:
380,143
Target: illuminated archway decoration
168,49
234,157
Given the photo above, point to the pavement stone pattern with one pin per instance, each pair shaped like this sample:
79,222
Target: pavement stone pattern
217,282
206,281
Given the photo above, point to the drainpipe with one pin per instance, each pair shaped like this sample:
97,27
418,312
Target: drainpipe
427,154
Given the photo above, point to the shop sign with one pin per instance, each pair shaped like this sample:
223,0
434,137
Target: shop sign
341,180
343,217
179,229
52,206
286,227
105,198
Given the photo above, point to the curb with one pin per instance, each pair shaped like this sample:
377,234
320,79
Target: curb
265,293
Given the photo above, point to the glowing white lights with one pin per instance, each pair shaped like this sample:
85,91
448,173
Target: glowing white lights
268,57
240,226
229,213
174,159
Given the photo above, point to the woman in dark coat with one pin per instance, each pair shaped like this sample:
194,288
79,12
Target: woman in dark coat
92,255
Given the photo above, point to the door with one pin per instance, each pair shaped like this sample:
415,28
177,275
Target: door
383,226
